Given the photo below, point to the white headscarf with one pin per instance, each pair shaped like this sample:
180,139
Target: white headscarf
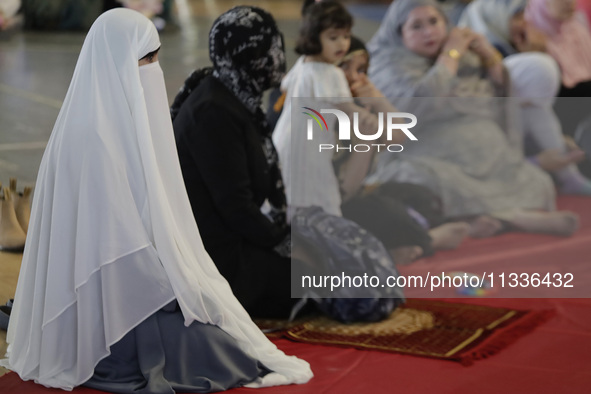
492,18
112,236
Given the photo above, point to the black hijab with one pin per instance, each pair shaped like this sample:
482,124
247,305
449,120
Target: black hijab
246,49
248,57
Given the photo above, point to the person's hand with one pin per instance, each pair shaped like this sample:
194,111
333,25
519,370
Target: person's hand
554,160
459,39
487,53
363,87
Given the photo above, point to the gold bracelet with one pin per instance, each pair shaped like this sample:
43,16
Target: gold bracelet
496,59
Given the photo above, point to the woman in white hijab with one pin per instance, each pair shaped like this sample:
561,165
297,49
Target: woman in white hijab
114,263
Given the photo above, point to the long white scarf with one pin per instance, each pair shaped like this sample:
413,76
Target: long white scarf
112,236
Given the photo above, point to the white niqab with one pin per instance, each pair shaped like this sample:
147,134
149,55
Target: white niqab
112,236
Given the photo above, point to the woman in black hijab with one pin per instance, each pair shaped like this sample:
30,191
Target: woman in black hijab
229,163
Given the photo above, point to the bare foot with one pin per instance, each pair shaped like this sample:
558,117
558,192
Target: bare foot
555,160
449,235
562,223
484,227
406,254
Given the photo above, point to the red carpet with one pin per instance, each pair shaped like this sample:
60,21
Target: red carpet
554,358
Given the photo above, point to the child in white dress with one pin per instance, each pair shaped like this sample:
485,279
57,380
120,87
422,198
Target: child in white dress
315,81
312,188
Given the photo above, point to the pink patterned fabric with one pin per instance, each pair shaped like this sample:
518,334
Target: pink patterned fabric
569,42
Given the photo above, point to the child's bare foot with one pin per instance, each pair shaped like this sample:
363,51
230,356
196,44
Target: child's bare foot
406,254
449,235
485,226
562,223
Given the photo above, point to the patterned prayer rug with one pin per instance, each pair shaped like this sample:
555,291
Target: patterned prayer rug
438,329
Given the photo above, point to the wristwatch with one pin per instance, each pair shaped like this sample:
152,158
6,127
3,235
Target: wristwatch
453,53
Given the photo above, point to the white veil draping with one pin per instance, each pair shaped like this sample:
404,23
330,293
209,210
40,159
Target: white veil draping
112,236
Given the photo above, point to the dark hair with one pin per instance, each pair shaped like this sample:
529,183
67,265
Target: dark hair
306,4
317,18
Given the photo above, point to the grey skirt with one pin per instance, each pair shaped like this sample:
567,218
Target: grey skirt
161,356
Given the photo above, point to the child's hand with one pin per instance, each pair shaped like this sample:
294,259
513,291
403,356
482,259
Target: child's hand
364,88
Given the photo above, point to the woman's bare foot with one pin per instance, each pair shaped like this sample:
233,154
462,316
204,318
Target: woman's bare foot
562,223
449,235
406,254
485,226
